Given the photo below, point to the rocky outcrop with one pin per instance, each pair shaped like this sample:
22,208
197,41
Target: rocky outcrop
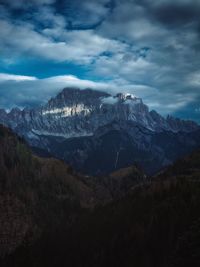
98,133
75,113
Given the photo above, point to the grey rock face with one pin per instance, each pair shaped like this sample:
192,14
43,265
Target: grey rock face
119,145
84,127
75,113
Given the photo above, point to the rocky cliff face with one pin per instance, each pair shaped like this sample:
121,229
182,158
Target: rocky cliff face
75,113
79,126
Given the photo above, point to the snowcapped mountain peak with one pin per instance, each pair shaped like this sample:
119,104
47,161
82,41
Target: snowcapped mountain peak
129,98
78,112
125,96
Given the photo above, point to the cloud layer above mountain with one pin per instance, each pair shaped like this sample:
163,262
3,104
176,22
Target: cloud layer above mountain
151,48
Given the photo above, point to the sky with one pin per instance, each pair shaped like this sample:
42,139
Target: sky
145,47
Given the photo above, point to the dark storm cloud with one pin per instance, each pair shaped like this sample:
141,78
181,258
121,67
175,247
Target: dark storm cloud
173,13
176,14
152,46
84,14
170,13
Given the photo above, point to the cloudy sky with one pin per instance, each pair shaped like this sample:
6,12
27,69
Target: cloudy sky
147,47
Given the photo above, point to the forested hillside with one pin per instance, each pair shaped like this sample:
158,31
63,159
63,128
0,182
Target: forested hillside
45,219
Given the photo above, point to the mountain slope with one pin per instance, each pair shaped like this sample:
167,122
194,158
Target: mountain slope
119,145
155,225
35,193
38,194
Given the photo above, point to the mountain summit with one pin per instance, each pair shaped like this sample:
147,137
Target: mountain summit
84,127
74,113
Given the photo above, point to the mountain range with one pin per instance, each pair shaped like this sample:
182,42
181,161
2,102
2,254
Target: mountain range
98,133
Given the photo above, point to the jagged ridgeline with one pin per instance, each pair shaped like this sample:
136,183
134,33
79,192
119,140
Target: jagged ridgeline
98,133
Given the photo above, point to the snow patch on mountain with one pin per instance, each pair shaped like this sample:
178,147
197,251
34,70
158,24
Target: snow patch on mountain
78,109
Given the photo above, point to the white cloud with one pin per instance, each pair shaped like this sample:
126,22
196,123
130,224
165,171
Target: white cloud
46,16
77,46
12,77
193,79
109,100
130,22
72,81
126,66
22,91
25,91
